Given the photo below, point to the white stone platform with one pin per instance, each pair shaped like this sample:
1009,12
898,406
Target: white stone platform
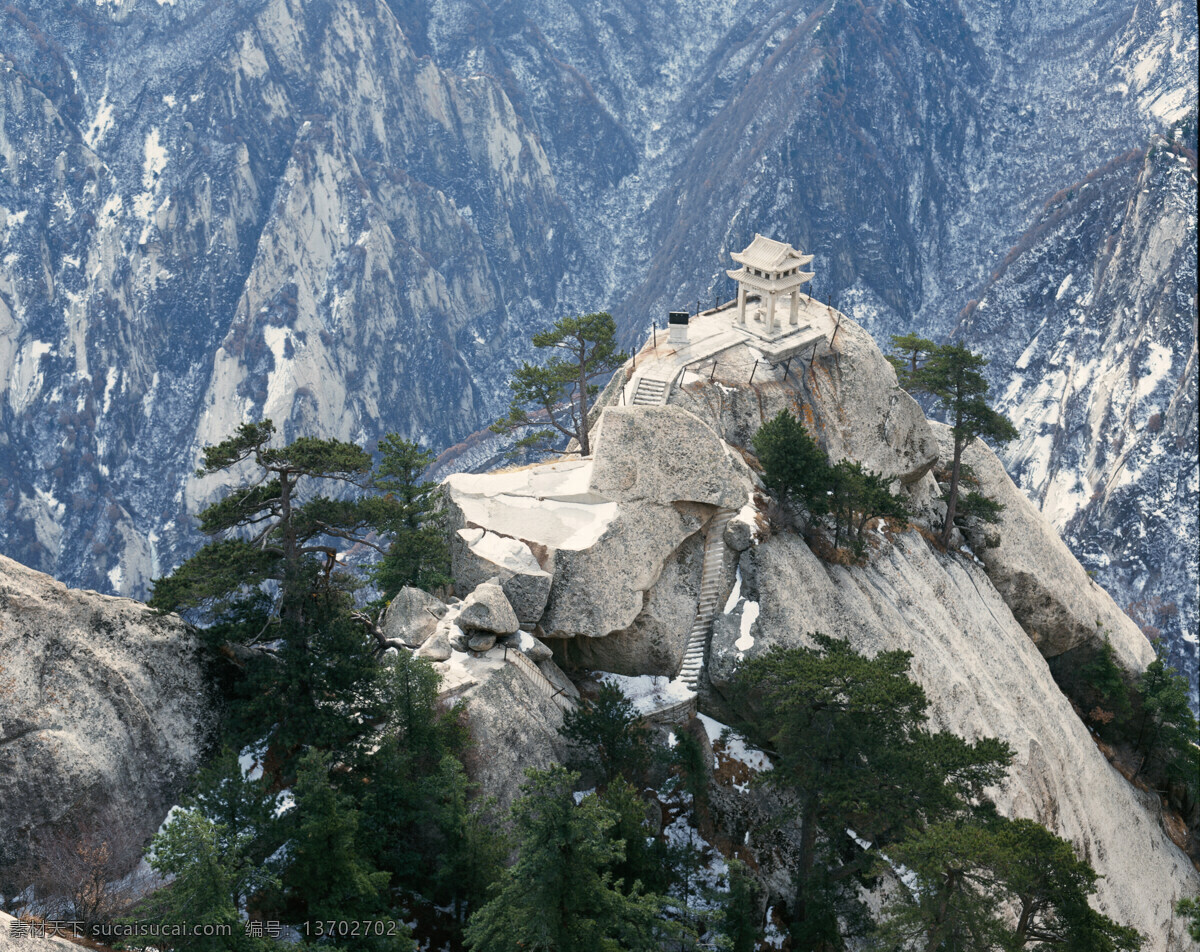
715,331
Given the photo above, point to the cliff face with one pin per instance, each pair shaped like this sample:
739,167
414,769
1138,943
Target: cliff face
1090,326
103,718
271,209
980,628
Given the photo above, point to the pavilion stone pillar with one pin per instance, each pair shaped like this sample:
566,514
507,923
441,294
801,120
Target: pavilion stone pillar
770,310
741,305
795,309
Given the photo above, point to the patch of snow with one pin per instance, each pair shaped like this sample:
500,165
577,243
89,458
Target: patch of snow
649,693
1062,288
731,602
746,640
508,553
155,160
284,801
736,747
101,122
115,576
251,760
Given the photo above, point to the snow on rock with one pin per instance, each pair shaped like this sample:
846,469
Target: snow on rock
749,616
734,746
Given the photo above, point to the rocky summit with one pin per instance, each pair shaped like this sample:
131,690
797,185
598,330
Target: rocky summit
668,514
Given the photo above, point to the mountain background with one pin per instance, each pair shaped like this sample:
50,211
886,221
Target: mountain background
350,215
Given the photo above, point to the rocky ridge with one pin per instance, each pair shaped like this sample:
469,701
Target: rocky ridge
1090,326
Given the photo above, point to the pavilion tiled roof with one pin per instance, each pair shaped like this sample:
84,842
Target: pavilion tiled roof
767,254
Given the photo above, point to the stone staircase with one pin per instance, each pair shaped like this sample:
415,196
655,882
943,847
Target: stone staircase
651,393
540,682
711,576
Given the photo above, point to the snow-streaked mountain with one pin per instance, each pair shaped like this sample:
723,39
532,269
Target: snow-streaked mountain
350,214
1090,323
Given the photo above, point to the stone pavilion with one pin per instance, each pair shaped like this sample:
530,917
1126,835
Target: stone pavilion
772,270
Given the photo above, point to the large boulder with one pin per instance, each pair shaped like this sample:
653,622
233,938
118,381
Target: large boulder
412,616
1047,590
512,714
664,455
984,677
104,715
478,555
487,610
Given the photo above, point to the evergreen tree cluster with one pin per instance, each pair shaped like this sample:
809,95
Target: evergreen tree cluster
876,791
1147,719
798,471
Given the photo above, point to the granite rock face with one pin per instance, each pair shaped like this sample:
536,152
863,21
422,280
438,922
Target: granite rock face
848,397
477,555
1045,588
984,677
603,528
103,707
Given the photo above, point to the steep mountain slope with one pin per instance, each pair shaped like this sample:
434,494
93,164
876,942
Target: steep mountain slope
1090,324
621,543
212,214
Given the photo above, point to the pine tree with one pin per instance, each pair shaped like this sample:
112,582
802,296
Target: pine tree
644,863
794,466
473,847
857,496
849,743
560,390
606,737
274,526
559,896
952,375
1167,728
740,915
417,554
209,874
328,877
967,873
908,353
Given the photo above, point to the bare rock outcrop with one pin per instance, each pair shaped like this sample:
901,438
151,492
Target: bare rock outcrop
983,676
412,616
1042,583
487,610
514,712
102,706
603,528
848,396
478,555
